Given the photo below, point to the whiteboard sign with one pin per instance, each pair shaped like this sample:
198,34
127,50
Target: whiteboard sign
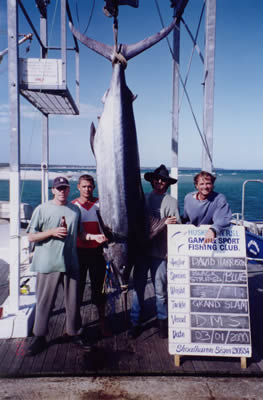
208,300
40,71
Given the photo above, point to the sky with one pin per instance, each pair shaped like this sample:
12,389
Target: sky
238,109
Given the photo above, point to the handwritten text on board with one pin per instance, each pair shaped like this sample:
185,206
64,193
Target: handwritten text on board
208,293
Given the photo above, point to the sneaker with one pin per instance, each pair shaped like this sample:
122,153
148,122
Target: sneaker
163,328
38,345
81,341
134,331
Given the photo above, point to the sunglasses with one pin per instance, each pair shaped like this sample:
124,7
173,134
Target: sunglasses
61,188
160,179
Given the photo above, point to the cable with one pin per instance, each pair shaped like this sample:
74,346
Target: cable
90,18
77,11
194,39
202,136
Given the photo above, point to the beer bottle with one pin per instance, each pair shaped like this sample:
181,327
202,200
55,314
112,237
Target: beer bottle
63,223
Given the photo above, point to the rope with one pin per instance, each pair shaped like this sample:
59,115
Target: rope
117,56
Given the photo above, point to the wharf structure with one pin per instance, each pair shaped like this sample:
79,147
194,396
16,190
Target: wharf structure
116,355
43,82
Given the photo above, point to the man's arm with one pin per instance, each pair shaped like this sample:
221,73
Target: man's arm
185,217
100,238
222,215
34,230
172,212
58,232
210,236
221,219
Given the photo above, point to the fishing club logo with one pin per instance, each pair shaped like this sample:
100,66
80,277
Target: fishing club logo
253,248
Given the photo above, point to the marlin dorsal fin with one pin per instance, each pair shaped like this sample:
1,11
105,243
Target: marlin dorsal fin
92,136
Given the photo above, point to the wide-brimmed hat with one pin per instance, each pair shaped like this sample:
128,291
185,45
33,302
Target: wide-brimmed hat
160,172
60,181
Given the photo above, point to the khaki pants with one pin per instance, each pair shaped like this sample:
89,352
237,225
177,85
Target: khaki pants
46,291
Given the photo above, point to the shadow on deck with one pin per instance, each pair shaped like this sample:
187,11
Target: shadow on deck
119,355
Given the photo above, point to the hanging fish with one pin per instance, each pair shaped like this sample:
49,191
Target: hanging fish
114,144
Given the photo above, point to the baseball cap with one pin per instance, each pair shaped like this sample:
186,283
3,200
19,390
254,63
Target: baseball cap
60,181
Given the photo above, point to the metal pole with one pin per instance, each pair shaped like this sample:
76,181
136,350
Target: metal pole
14,180
45,125
175,107
26,37
45,158
77,77
209,73
63,41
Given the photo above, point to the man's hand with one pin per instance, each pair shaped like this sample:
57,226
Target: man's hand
210,236
59,232
170,220
99,238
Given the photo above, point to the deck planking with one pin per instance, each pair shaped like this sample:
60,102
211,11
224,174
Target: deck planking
119,355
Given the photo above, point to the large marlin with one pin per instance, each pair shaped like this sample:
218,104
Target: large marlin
114,145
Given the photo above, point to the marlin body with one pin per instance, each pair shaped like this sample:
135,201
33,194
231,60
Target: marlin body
118,174
114,144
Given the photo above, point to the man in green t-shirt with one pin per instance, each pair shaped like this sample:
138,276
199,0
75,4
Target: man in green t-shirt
55,261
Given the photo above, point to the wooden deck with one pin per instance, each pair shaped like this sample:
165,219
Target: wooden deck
118,355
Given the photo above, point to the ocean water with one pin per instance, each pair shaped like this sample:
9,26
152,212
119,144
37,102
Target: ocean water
228,182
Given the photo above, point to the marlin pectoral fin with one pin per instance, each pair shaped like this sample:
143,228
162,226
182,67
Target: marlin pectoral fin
106,231
92,136
104,97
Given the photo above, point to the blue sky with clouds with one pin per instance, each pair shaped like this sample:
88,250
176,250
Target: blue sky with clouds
238,116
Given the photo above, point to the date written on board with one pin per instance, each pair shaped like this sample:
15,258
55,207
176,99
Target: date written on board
217,336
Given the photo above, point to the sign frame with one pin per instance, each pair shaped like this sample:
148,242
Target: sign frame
208,297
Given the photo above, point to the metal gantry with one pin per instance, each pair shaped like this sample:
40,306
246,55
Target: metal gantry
14,162
47,98
57,99
208,83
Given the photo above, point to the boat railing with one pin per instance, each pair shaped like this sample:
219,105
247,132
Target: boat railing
243,194
254,229
239,218
251,226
